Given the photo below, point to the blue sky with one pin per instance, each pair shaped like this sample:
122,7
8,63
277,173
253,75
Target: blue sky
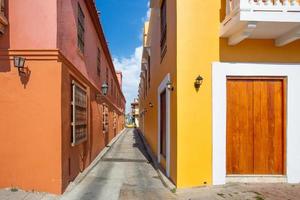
123,22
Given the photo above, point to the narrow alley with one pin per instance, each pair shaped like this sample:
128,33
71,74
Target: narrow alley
124,172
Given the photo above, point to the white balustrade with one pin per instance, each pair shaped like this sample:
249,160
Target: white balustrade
233,5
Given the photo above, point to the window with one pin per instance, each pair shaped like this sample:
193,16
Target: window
80,29
149,71
146,80
2,4
106,75
3,19
163,27
105,119
79,114
112,87
98,63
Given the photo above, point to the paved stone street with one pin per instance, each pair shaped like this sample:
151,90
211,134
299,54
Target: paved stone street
124,173
240,191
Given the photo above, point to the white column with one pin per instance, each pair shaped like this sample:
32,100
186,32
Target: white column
228,7
269,2
245,5
260,2
277,3
286,2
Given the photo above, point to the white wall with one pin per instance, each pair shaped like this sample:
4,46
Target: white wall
219,73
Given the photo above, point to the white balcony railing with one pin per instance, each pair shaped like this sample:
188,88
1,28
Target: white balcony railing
262,19
263,5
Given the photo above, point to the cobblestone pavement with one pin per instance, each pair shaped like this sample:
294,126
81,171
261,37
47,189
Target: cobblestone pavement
126,173
243,191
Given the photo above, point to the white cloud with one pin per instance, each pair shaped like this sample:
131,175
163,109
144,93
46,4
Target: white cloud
130,67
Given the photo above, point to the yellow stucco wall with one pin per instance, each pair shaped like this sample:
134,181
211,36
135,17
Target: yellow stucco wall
193,45
198,45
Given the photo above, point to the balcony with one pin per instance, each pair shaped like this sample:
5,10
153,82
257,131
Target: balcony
261,19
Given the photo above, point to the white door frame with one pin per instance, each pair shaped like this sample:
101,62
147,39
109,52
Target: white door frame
163,87
219,73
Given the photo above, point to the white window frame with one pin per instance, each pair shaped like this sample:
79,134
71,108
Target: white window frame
161,89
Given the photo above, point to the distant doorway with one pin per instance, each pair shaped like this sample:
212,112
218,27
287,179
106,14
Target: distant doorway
163,125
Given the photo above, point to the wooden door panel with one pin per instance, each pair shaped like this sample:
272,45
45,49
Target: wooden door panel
268,127
239,127
255,126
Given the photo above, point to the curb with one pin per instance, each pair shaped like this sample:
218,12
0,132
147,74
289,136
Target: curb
164,179
83,174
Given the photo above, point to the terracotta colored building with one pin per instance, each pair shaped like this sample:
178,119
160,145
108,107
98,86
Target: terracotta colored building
54,118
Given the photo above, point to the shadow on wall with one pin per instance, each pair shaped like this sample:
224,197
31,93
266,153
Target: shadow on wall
24,75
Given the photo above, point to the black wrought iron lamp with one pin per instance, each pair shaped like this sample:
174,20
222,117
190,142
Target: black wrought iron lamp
104,89
19,63
198,82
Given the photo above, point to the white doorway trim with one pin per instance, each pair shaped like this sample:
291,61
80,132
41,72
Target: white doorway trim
163,87
219,73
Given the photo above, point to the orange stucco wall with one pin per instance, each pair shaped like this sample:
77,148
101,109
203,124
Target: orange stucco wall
35,124
30,126
76,159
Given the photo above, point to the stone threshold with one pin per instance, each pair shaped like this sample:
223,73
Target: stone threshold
256,179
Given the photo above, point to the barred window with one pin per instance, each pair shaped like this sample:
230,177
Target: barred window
105,124
80,29
98,63
163,27
2,4
111,87
106,76
79,114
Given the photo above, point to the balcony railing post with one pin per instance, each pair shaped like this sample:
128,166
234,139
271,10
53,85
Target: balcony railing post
277,3
245,5
294,3
228,7
286,2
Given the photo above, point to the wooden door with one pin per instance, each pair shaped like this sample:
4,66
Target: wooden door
163,124
255,126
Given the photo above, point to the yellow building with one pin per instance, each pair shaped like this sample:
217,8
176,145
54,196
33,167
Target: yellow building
219,90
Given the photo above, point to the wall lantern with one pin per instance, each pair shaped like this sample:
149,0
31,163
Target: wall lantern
104,89
170,86
19,62
151,105
198,82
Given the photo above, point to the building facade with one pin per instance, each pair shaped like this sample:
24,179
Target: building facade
218,90
55,118
135,112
